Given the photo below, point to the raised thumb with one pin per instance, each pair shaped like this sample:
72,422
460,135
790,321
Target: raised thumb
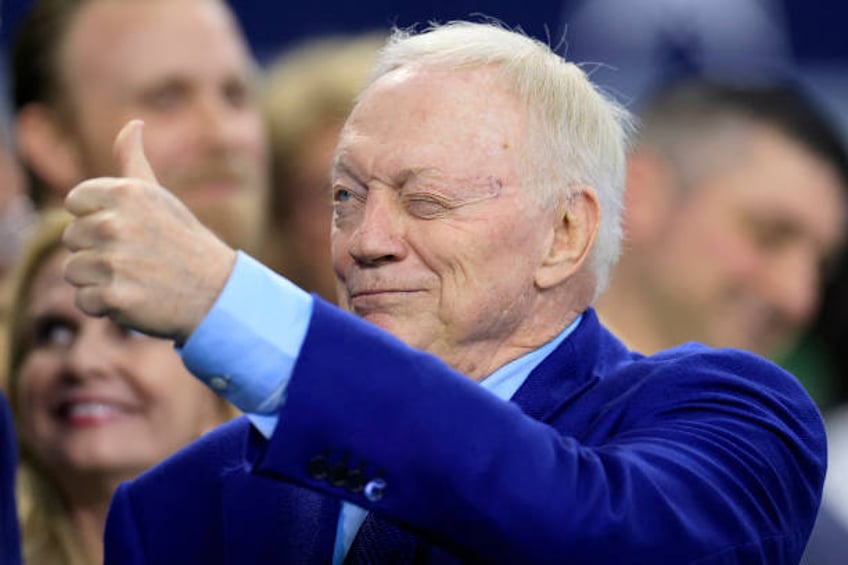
129,152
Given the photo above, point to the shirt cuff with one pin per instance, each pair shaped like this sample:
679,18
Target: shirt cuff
246,346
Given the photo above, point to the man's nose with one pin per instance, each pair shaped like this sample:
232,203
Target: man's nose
379,236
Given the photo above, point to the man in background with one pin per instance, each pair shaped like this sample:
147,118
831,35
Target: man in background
736,209
82,68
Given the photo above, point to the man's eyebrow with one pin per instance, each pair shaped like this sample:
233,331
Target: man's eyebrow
341,166
411,174
470,188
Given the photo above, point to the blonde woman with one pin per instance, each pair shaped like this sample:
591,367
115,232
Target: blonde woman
94,404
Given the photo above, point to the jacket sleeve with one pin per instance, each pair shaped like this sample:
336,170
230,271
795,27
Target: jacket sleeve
122,540
175,512
10,553
715,457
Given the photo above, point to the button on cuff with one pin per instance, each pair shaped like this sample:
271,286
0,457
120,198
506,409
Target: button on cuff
374,489
220,383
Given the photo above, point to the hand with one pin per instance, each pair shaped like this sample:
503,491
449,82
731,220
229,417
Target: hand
138,255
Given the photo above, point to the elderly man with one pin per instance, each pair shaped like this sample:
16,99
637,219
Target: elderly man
476,189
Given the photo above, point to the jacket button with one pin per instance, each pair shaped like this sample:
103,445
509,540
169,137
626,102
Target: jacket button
318,467
338,475
374,489
220,383
355,480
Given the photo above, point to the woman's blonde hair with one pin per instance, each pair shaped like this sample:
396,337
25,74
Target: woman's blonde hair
48,534
47,530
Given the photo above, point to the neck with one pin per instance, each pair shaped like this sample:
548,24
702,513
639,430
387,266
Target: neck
552,312
482,360
90,522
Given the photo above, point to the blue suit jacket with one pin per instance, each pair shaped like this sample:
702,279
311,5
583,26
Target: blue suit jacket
10,552
603,456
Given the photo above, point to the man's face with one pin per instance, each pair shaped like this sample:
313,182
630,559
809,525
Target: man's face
740,261
434,236
182,67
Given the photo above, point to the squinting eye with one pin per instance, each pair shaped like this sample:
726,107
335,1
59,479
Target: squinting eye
425,207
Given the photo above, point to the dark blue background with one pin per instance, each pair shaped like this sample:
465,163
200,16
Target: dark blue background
815,32
817,27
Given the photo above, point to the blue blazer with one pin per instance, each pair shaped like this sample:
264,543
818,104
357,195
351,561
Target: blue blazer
602,456
10,551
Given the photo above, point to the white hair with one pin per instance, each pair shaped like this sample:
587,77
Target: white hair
577,136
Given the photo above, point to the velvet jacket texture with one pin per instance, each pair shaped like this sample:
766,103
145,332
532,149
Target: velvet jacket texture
603,456
10,551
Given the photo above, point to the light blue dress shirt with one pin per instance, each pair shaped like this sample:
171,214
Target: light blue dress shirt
239,351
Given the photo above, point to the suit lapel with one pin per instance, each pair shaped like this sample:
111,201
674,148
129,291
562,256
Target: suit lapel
570,369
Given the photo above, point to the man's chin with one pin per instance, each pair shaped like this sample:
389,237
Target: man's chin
764,344
779,347
400,327
384,320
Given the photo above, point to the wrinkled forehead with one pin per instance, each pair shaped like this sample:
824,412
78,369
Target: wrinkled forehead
462,122
482,89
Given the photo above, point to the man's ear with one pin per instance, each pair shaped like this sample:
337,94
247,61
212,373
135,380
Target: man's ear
45,146
649,195
577,220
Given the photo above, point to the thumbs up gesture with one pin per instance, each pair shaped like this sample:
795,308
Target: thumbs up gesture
138,254
129,152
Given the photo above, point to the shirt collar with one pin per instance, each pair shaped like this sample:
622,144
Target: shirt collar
505,381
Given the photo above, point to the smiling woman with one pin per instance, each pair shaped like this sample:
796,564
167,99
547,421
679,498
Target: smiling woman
94,403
